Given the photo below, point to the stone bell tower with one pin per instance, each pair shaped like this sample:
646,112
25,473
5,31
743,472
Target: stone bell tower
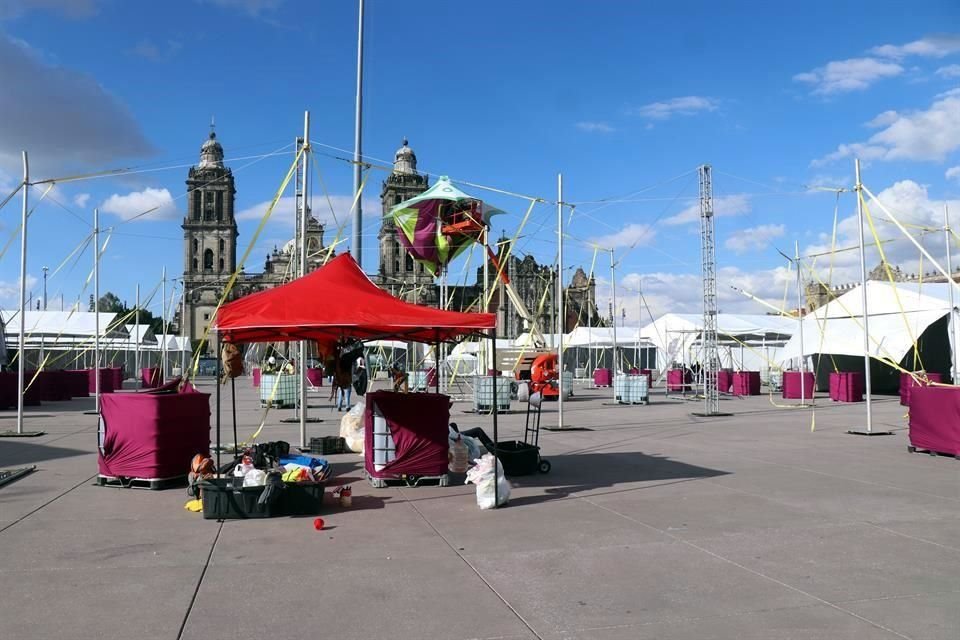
399,273
209,235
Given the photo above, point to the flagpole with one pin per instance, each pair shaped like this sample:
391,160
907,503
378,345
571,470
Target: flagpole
559,296
303,272
357,146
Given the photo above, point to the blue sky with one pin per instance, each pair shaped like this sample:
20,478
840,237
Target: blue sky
626,99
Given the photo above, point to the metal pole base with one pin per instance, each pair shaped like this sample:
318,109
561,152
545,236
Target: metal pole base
864,432
22,434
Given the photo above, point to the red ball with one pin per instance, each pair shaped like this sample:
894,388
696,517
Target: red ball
318,523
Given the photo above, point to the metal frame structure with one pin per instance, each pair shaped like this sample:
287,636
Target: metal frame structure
708,266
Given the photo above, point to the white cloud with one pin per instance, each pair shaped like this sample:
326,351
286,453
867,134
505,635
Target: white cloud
667,292
685,106
68,8
753,238
81,200
595,127
149,204
250,7
953,173
631,235
911,203
949,71
64,117
10,291
854,74
723,206
285,211
929,47
929,134
154,52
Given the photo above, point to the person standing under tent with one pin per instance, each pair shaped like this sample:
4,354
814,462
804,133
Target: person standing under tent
360,379
342,380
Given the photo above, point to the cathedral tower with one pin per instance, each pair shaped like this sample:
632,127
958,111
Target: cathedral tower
209,235
399,273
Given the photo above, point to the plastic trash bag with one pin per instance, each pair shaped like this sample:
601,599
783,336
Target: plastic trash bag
523,391
458,456
351,427
489,482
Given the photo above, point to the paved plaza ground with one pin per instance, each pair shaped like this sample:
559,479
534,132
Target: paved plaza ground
653,523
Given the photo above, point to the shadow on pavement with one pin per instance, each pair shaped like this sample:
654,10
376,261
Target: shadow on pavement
15,452
574,473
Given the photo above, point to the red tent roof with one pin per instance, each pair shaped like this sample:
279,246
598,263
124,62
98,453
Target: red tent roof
339,300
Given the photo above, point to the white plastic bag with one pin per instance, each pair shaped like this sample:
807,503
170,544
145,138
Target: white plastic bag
482,475
523,391
351,427
255,478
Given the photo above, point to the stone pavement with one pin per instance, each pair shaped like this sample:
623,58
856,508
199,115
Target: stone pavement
652,524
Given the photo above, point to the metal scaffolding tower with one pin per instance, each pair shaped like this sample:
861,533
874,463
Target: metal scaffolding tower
708,251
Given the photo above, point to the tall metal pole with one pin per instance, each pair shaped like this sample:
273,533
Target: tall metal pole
357,244
305,164
803,357
45,269
559,296
953,309
184,333
866,316
486,296
613,316
21,370
96,308
136,322
163,327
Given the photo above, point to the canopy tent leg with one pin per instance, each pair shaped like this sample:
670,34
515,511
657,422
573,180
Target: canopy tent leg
233,399
218,400
496,433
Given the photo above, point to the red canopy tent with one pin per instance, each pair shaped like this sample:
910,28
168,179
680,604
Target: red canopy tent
339,300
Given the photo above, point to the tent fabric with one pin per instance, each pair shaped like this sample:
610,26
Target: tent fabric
339,300
836,328
421,219
418,424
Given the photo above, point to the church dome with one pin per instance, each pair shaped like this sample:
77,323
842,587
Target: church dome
405,160
211,153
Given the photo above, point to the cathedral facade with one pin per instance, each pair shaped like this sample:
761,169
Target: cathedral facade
210,257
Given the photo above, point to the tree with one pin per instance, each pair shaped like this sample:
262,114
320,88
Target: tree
110,303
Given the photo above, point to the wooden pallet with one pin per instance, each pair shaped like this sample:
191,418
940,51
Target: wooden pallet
155,484
410,481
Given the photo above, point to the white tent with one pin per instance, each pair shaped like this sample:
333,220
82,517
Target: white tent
899,314
747,341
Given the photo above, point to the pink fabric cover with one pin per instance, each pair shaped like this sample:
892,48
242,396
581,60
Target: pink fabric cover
315,376
418,423
117,373
724,381
153,435
907,384
602,377
53,386
791,385
935,419
106,381
150,377
846,386
8,389
746,383
77,380
256,377
678,380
